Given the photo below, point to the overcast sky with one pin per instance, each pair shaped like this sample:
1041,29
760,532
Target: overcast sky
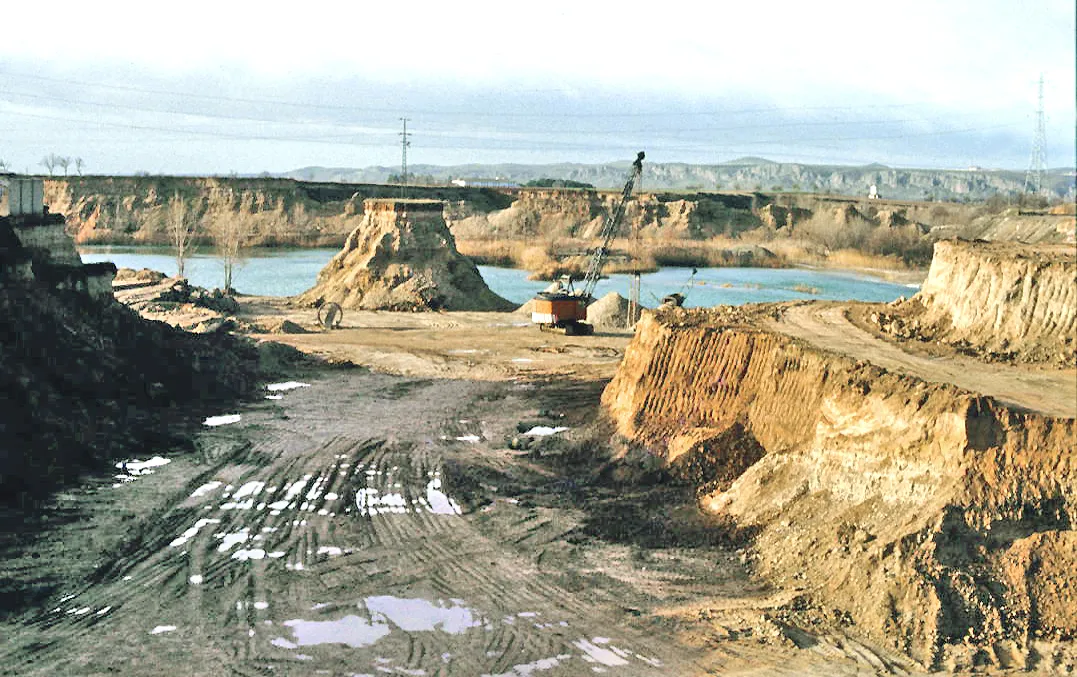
216,87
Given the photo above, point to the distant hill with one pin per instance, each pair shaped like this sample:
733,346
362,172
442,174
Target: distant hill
745,174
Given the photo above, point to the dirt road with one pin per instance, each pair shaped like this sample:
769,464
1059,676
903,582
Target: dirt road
377,524
827,326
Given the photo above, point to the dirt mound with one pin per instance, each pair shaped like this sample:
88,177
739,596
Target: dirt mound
130,275
86,380
402,257
280,326
1003,301
938,520
610,311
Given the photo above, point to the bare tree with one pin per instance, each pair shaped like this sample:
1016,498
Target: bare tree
78,165
181,231
3,165
230,224
64,162
49,162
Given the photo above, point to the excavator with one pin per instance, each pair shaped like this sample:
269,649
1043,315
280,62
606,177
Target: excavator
563,309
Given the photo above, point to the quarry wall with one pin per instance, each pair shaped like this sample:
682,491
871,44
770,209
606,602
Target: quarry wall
940,521
1011,297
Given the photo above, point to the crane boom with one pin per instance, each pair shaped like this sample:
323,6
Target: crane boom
609,229
564,310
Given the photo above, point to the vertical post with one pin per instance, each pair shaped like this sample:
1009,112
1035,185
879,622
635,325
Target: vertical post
404,143
633,300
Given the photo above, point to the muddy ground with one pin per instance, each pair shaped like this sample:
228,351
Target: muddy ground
400,522
392,516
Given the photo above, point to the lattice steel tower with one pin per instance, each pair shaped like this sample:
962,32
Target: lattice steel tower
405,141
1035,177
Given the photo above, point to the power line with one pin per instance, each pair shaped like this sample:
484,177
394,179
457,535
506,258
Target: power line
250,118
442,111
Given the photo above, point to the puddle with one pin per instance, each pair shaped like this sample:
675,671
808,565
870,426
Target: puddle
132,469
592,653
137,467
468,438
222,420
525,669
371,501
274,397
192,532
287,385
195,579
244,554
162,629
542,431
206,488
228,540
413,615
354,631
438,502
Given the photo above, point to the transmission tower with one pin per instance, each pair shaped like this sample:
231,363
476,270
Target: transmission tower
1035,182
404,143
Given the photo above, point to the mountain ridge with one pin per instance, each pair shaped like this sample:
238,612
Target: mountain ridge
749,173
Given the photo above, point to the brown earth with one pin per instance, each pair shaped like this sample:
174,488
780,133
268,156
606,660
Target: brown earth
402,257
1016,302
553,567
910,504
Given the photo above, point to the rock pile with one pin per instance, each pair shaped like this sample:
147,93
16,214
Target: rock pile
402,257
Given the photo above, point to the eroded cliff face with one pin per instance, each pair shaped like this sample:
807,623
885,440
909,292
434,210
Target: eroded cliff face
938,520
275,212
1004,300
402,257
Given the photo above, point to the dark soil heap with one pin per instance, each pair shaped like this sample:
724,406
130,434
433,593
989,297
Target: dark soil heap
403,257
85,379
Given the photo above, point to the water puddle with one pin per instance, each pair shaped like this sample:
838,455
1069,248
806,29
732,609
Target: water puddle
160,629
420,615
371,501
525,669
192,532
222,420
353,631
132,469
206,488
287,385
542,431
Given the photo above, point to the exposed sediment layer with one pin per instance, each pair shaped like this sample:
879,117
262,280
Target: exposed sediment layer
403,257
939,520
1000,298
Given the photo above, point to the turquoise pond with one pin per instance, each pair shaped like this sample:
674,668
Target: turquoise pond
285,272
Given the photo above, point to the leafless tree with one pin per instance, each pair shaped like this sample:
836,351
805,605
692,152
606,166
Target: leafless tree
49,162
181,231
64,162
3,165
230,224
78,165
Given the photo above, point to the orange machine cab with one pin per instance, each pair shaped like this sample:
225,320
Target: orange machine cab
551,308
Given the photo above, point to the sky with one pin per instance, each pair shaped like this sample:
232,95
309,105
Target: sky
248,87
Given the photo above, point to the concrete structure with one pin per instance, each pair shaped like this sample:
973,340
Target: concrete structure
34,245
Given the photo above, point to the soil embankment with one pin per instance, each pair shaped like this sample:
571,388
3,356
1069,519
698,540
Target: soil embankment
938,519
